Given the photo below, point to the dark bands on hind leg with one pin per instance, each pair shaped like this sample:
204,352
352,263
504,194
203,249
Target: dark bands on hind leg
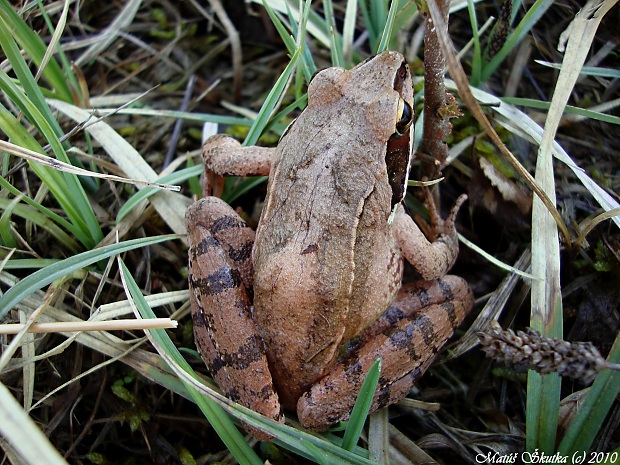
219,242
407,347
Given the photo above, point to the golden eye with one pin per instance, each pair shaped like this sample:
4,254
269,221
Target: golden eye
405,114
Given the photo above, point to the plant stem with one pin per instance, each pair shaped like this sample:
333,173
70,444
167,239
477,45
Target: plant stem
433,151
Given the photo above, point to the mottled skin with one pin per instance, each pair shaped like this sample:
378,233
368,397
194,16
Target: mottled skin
327,258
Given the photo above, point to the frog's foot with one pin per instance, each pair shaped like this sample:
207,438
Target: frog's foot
432,256
438,225
407,338
220,283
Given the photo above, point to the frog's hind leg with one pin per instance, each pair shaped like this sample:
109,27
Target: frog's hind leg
407,338
220,283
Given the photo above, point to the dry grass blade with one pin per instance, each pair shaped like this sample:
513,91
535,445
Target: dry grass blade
378,437
58,165
235,45
546,253
546,298
523,126
95,368
170,206
69,327
121,307
51,296
408,449
28,351
146,363
591,224
579,35
51,49
23,434
511,269
492,309
110,34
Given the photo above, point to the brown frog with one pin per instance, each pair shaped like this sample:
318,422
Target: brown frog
296,315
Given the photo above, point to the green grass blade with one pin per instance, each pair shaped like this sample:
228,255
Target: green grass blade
377,17
238,187
587,70
476,65
568,109
46,211
348,31
218,418
546,298
373,36
5,222
291,43
270,102
85,226
408,10
542,405
386,35
57,31
286,37
300,103
25,77
35,48
361,407
70,192
335,47
31,214
308,66
47,275
602,394
28,263
146,192
315,23
170,206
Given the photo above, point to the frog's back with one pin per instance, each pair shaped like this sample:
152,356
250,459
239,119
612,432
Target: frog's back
324,258
304,252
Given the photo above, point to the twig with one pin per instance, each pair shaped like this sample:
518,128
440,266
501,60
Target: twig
458,75
439,106
76,326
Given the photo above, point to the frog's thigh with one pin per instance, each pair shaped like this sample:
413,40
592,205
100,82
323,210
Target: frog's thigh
415,296
407,348
219,255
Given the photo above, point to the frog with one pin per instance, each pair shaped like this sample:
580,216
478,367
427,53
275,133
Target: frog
293,315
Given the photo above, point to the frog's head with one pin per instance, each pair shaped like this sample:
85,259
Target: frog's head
385,79
380,89
374,102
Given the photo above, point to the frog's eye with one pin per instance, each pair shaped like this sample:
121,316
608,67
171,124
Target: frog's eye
405,117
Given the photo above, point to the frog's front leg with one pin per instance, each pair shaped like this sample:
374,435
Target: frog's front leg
430,259
224,156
